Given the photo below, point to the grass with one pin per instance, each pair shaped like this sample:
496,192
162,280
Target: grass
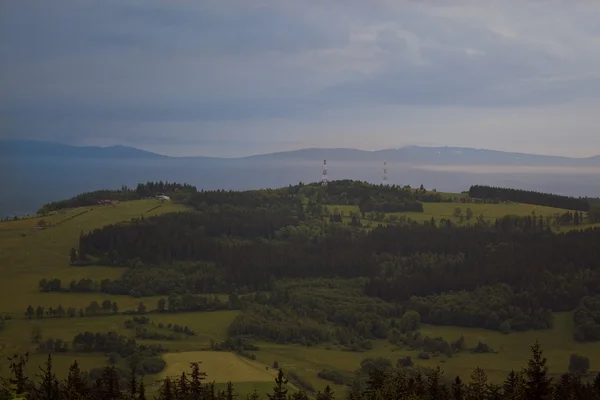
513,353
220,367
446,210
27,255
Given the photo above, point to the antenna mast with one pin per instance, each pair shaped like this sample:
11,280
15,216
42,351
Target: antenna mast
385,173
324,176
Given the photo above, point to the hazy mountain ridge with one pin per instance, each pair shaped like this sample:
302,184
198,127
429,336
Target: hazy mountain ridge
409,154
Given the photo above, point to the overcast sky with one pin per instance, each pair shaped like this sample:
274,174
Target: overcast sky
238,77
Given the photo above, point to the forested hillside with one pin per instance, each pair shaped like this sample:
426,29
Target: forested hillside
529,197
507,275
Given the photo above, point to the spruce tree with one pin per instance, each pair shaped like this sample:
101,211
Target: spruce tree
458,389
75,385
537,384
512,387
166,391
279,390
48,389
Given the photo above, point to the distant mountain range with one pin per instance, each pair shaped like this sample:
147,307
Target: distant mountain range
33,173
412,155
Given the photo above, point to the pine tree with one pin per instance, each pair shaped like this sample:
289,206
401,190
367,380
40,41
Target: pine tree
435,385
512,386
75,385
48,389
253,396
229,392
458,389
537,384
279,390
142,390
326,395
478,385
166,391
18,381
196,382
133,385
184,387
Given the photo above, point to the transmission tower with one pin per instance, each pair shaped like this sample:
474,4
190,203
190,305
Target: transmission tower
385,173
324,176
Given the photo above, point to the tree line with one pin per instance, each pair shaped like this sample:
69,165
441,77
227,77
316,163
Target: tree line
376,379
143,190
529,197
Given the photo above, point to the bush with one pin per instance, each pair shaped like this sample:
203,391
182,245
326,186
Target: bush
482,348
579,365
424,356
332,376
410,321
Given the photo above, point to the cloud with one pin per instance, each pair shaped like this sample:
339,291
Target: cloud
71,65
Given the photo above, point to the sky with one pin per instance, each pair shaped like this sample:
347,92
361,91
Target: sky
236,77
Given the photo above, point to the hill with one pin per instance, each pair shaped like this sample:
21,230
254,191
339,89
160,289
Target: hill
460,156
35,149
322,281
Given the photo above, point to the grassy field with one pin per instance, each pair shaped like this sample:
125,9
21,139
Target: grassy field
220,367
28,255
446,210
513,352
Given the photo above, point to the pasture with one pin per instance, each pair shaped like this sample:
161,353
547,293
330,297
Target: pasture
28,255
220,367
446,210
513,353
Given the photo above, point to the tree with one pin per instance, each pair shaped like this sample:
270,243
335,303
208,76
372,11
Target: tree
469,213
458,389
512,386
478,385
579,365
115,307
39,312
73,255
36,334
106,306
75,384
410,321
536,383
457,212
576,218
327,394
162,303
30,312
48,388
279,390
141,308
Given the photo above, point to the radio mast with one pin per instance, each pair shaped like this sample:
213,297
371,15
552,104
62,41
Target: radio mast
385,173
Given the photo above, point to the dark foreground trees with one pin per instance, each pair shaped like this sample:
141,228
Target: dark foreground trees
382,381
